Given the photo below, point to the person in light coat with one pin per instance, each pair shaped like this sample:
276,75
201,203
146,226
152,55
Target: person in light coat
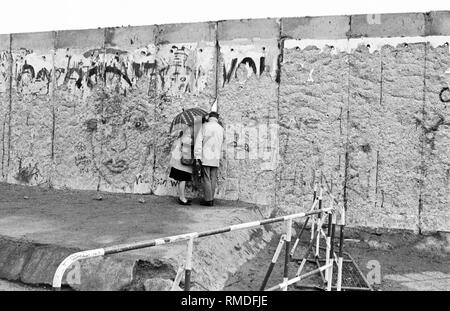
182,173
207,150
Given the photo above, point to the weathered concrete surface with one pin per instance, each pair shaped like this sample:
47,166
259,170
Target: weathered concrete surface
435,123
321,27
187,79
263,28
313,112
437,23
55,223
367,111
75,54
248,100
5,87
125,154
31,148
91,109
387,25
385,150
18,287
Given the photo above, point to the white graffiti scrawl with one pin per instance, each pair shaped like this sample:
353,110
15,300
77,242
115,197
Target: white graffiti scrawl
243,58
32,72
184,67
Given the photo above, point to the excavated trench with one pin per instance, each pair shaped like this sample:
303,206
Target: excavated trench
39,228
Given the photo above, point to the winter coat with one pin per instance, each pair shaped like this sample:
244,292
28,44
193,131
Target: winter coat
181,147
208,143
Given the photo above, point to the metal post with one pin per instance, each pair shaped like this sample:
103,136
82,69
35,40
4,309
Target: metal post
286,257
333,230
115,249
313,219
327,252
187,275
341,245
304,225
274,260
177,280
319,225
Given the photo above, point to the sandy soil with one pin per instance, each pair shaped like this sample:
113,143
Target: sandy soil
407,261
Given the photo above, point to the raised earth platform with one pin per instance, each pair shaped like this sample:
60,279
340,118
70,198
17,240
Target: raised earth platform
40,227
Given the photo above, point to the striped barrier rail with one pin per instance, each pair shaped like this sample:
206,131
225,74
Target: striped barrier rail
190,237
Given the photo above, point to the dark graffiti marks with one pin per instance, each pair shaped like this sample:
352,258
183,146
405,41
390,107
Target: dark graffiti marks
82,159
27,173
444,95
32,72
83,163
244,68
430,131
78,72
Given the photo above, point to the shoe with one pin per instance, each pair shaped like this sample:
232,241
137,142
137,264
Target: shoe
183,203
207,203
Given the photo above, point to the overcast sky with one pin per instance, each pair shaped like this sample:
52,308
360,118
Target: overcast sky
42,15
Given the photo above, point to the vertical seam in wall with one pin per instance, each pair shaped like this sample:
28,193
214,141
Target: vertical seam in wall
10,104
155,106
217,64
52,100
279,62
422,143
103,84
9,60
378,152
347,144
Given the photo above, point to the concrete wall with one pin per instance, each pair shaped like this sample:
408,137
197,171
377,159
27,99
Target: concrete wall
360,103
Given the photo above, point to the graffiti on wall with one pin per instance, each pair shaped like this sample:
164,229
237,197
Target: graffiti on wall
4,71
444,95
27,173
119,87
119,144
244,60
78,72
184,68
32,72
167,69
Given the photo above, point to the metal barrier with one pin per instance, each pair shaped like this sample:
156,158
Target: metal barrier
316,234
190,237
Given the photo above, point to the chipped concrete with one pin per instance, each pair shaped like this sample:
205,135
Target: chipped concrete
359,101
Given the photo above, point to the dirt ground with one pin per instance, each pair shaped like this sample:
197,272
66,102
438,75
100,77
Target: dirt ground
40,227
407,261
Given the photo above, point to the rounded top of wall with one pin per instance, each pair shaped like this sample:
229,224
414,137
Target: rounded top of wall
436,23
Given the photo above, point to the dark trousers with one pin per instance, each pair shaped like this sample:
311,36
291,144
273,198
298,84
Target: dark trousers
209,180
